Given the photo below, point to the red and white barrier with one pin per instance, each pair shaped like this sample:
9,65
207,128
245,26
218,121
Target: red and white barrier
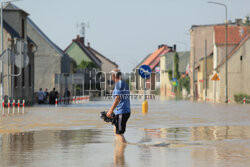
23,105
81,99
244,100
18,105
8,107
13,105
73,100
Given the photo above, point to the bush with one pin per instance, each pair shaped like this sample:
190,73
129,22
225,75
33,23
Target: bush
238,98
184,83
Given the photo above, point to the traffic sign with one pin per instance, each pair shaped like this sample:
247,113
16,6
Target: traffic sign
175,82
145,71
215,77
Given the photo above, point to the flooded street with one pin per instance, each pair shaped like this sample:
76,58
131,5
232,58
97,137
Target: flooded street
173,133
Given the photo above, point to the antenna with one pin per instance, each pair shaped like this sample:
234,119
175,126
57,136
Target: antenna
81,28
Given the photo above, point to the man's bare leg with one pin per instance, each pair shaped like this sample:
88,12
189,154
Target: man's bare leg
119,137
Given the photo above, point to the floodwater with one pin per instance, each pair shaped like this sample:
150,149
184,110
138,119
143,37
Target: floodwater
173,133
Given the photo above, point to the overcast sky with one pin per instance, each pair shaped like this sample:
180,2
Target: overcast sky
126,31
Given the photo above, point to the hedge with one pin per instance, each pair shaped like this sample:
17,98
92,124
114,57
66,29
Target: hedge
239,98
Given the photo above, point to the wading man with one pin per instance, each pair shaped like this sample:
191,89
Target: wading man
121,105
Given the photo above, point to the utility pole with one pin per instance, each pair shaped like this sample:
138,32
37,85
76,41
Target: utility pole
226,45
205,70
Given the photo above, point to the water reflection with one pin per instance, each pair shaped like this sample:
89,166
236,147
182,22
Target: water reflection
21,148
119,157
185,146
209,133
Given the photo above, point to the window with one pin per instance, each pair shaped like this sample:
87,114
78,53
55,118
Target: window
15,78
241,58
23,29
30,75
23,77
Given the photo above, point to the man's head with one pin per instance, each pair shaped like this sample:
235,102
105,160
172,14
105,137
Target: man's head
40,89
116,75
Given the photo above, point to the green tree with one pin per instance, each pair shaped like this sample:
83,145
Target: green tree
176,66
86,64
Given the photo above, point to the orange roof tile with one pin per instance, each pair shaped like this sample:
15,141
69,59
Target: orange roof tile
235,34
234,50
154,58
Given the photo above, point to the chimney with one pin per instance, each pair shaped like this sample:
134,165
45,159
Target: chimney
174,47
88,44
79,39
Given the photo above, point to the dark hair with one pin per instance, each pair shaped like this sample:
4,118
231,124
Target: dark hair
118,74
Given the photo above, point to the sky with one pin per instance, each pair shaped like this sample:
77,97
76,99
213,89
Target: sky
126,31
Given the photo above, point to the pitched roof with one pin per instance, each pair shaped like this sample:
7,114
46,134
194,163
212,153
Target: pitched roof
154,59
38,30
235,34
91,55
96,52
234,50
142,61
13,33
15,10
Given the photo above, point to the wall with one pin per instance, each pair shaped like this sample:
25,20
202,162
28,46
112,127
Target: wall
201,81
165,84
107,67
47,61
76,53
238,73
20,91
197,47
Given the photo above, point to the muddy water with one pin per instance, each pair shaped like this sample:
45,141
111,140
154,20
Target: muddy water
174,133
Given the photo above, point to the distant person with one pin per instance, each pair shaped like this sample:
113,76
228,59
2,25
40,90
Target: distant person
40,96
52,96
121,105
66,96
46,94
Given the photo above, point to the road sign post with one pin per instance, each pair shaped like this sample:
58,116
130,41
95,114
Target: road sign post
145,73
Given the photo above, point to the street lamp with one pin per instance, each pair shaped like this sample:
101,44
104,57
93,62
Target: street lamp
2,88
226,80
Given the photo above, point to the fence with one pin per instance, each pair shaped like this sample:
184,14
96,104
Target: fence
12,106
73,100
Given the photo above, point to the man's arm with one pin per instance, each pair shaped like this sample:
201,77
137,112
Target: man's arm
116,102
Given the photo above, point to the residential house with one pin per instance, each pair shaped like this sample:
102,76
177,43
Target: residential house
204,85
49,58
18,82
91,65
212,35
238,71
152,60
107,66
166,65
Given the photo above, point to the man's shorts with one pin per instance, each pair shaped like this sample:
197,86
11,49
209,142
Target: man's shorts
120,122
